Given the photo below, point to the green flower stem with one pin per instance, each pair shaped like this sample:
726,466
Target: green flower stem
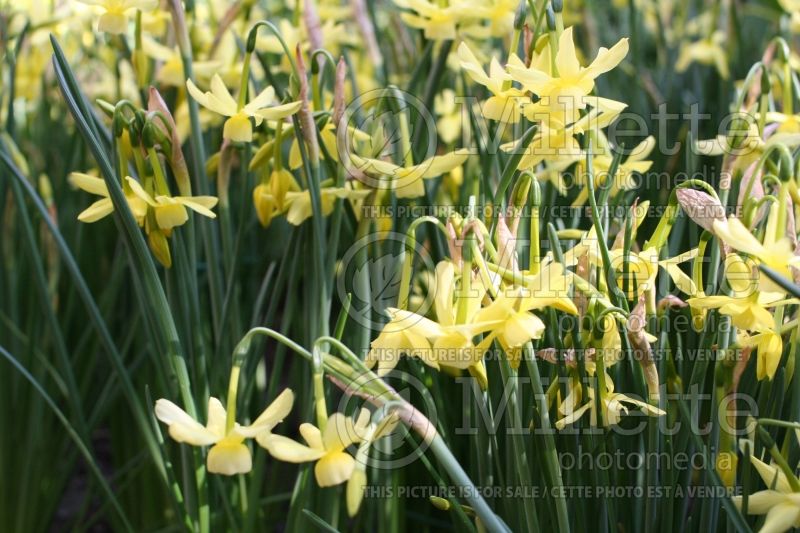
578,282
408,256
778,423
483,270
550,452
602,391
233,387
779,459
465,287
244,82
508,173
319,389
490,520
617,298
160,181
197,165
533,249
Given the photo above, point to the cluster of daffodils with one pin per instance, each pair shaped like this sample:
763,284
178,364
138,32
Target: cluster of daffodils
553,91
326,446
465,18
257,101
146,145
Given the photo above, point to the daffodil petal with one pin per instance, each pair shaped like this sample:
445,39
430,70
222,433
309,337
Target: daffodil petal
229,459
334,468
288,450
271,416
99,209
88,183
139,191
182,427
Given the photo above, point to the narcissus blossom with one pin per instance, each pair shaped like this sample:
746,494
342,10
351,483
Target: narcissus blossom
334,465
778,502
170,211
114,19
104,207
238,127
229,454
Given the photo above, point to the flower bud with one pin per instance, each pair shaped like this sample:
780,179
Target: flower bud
160,247
521,14
551,18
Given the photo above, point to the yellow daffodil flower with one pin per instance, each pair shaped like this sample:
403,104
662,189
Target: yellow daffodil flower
748,312
265,204
505,104
498,13
328,448
749,148
406,333
708,51
103,207
555,141
454,348
407,181
238,127
769,347
228,454
779,502
114,18
513,323
516,325
270,198
170,211
446,344
613,404
444,299
369,433
170,73
299,203
573,80
438,22
776,254
643,268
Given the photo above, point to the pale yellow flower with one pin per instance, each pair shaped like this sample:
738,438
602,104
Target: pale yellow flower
708,51
777,254
299,208
103,207
573,81
114,19
238,127
407,180
438,22
769,347
170,73
779,502
505,104
614,404
170,211
406,333
229,454
328,448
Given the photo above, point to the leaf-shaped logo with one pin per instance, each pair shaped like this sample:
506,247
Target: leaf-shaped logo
384,275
